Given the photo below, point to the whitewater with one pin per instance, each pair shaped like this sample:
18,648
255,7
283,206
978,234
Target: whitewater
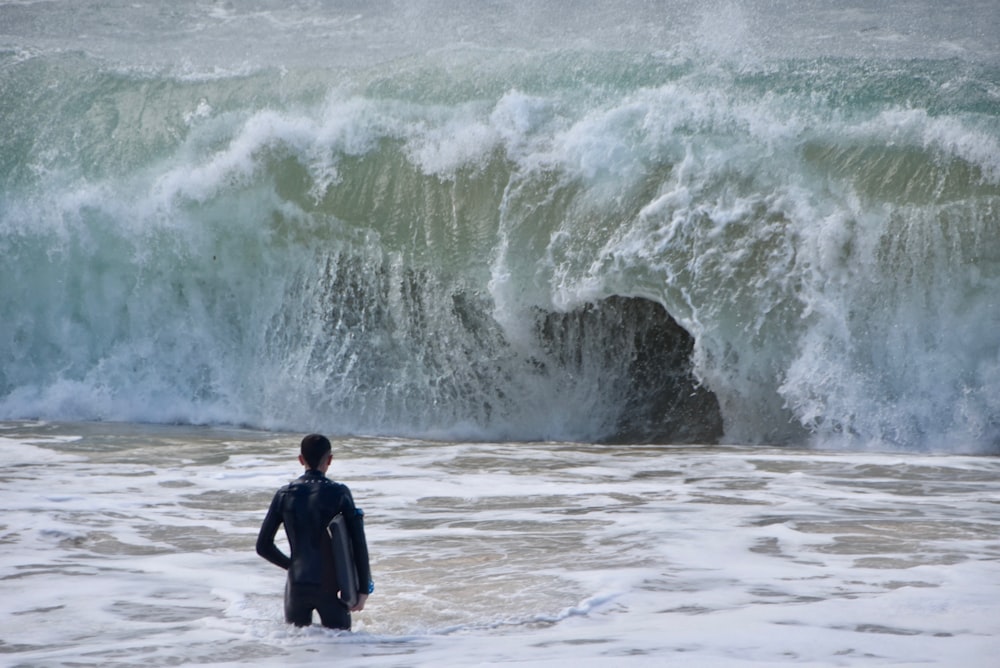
133,545
645,331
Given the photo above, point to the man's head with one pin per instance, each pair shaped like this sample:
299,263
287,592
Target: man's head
315,451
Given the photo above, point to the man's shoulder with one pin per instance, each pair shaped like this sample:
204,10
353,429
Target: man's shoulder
320,482
339,487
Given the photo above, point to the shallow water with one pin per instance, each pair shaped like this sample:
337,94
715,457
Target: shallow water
133,545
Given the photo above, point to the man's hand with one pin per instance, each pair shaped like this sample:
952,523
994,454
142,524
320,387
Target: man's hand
360,605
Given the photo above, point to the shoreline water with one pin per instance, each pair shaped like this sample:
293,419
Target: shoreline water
132,544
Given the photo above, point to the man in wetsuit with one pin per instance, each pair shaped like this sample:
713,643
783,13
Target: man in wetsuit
306,507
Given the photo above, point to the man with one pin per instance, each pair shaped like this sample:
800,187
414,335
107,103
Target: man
306,507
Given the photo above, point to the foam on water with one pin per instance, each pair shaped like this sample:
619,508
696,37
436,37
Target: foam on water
134,545
458,220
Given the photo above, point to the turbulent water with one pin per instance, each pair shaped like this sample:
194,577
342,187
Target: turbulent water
132,546
559,277
676,222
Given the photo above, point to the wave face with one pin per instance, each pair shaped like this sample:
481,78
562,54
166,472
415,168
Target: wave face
669,229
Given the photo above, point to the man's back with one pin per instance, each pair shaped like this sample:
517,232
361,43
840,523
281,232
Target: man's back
306,507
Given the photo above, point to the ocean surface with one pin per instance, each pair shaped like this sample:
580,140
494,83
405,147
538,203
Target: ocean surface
643,328
129,545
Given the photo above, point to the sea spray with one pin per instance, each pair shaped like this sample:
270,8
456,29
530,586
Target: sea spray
384,249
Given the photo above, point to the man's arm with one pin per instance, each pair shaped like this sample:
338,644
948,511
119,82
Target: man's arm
265,539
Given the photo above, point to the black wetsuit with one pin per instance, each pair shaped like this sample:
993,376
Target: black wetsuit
306,507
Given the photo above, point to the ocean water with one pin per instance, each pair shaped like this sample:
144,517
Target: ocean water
489,221
131,545
644,329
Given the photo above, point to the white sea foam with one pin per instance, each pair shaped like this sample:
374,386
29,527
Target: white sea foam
135,545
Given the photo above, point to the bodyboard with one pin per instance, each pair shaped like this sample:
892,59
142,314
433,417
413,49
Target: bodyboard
343,560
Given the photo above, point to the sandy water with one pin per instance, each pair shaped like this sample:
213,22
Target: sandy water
128,545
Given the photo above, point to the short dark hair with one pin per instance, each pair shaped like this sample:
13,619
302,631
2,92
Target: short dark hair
314,447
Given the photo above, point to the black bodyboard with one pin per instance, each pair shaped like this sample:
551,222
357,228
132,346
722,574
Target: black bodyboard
343,560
